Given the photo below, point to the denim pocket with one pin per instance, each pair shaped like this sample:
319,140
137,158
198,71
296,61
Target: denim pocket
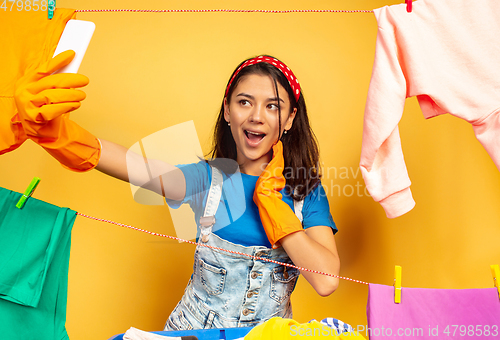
212,278
283,282
178,322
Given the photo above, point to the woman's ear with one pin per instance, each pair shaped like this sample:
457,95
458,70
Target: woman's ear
226,110
290,119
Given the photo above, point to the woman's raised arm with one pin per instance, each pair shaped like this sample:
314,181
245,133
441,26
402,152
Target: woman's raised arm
43,101
121,163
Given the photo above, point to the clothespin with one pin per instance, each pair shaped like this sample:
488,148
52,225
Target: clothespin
28,192
408,5
51,8
495,271
397,284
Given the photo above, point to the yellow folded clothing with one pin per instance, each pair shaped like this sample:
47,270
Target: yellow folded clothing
283,329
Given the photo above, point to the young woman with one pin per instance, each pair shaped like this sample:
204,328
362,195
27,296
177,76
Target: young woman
263,127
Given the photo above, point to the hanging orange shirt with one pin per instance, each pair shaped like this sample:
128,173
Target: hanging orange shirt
28,39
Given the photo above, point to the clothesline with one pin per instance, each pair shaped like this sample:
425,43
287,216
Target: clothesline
217,248
224,10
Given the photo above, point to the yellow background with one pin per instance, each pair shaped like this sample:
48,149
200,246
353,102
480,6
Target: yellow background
149,71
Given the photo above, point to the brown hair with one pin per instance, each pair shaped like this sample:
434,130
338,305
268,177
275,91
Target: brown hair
300,148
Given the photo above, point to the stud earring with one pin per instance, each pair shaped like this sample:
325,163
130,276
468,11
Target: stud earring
228,124
285,132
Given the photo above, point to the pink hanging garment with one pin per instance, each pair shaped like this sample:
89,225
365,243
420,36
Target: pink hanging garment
445,52
432,313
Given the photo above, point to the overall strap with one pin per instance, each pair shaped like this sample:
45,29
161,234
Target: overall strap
213,199
297,207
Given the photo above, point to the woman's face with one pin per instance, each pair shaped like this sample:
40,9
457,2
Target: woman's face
253,112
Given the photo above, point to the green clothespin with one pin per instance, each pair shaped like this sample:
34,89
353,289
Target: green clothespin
52,8
28,192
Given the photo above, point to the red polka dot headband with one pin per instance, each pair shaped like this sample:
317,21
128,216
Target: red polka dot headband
292,80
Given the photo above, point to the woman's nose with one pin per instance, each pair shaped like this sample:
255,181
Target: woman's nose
257,114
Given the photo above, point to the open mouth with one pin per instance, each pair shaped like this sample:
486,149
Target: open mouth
254,137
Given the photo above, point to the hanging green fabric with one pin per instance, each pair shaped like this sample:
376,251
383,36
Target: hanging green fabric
35,244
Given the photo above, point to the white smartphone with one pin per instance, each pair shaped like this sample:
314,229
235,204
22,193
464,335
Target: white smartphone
76,36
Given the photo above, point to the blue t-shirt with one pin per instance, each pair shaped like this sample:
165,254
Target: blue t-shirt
237,217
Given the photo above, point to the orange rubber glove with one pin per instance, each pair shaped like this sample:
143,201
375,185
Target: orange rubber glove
11,132
44,101
277,217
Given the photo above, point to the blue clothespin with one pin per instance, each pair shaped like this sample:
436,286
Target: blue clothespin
28,192
52,8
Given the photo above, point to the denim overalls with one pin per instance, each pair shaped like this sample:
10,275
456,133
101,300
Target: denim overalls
230,290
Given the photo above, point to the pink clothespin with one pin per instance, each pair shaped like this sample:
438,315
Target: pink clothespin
408,5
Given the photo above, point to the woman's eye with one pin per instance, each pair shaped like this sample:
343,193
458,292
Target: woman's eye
272,106
244,102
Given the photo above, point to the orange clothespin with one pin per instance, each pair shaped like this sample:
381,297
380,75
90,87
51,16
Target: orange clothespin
408,5
397,284
495,271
